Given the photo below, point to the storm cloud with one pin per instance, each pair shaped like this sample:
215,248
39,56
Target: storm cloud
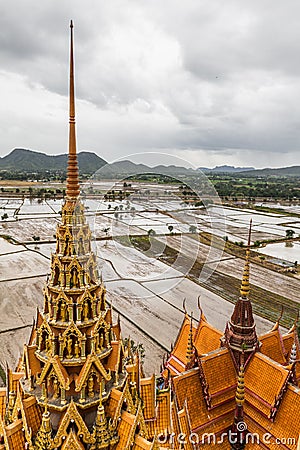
211,81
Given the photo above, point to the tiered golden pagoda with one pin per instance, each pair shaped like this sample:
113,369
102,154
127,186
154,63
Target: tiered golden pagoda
73,383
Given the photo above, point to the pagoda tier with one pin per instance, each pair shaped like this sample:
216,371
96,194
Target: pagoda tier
74,346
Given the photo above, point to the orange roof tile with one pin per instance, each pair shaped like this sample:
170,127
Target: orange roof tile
33,413
163,414
3,391
114,357
141,444
281,428
15,435
273,347
117,330
288,340
187,387
220,375
175,425
32,336
113,403
180,346
31,361
125,430
147,386
264,379
185,426
207,338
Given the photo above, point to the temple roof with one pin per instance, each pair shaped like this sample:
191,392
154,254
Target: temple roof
264,381
220,375
205,337
273,346
148,395
188,388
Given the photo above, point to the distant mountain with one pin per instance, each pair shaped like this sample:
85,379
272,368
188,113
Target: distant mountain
21,159
128,168
24,160
226,169
282,171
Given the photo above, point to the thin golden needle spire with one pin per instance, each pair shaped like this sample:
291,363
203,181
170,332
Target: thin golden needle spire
245,287
189,350
73,173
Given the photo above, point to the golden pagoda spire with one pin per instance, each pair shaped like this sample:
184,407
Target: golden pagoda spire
240,390
190,345
245,286
73,173
240,334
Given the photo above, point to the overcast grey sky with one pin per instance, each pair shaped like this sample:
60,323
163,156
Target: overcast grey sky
211,81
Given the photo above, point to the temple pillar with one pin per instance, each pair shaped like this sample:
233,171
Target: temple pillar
63,396
79,311
55,312
83,348
68,278
82,394
70,312
44,391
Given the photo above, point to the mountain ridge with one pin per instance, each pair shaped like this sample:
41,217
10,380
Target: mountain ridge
21,159
26,160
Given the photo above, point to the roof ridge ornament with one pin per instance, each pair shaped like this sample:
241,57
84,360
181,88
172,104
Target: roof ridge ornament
276,325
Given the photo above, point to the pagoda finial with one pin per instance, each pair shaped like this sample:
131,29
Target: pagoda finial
73,173
101,432
43,439
245,286
190,345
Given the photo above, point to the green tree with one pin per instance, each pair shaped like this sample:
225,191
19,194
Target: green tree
192,229
289,234
170,228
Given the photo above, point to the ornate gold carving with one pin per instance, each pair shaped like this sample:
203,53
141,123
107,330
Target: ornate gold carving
72,414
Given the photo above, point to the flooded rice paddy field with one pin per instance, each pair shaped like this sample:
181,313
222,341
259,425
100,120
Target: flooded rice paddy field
147,291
